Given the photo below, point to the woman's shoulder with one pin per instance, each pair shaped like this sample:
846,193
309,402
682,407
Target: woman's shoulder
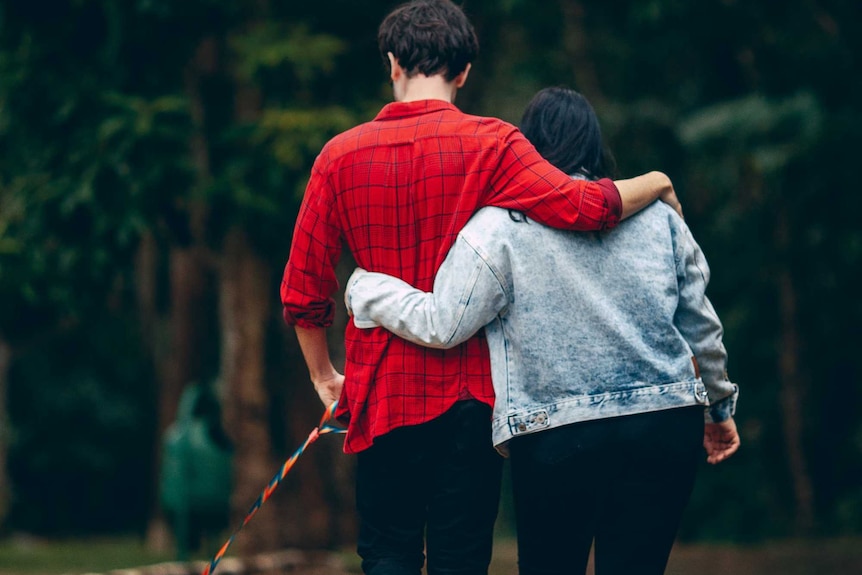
491,219
656,215
498,227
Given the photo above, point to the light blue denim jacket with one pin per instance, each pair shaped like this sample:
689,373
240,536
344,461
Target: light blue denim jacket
580,326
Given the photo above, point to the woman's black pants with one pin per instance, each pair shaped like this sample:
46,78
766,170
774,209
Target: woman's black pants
623,482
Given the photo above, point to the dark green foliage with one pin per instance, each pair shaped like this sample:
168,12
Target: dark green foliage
753,107
82,410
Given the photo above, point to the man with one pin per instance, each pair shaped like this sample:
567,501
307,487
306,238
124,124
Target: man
398,190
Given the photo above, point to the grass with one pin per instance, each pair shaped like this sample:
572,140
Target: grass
29,556
791,557
26,556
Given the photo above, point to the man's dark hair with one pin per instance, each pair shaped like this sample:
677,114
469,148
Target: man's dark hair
565,130
428,37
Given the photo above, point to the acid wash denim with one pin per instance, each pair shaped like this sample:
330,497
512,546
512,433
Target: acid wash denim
580,326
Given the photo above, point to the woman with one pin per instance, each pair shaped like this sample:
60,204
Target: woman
606,358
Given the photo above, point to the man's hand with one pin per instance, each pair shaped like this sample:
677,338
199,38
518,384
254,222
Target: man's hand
721,440
329,389
668,196
326,379
637,193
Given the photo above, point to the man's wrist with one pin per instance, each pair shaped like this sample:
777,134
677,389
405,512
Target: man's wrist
662,186
639,192
323,378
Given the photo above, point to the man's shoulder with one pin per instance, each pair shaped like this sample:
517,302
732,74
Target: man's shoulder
484,126
346,140
491,121
451,123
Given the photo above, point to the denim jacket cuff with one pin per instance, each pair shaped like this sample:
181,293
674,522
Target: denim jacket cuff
723,409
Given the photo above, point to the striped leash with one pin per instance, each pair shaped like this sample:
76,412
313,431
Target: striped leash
322,428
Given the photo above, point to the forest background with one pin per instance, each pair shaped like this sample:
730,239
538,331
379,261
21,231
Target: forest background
153,154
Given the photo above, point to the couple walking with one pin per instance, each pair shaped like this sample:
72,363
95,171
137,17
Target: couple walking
494,307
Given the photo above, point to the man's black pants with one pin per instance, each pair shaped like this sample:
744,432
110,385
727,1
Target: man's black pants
434,487
623,481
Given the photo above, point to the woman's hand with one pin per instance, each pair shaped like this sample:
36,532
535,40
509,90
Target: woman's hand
721,440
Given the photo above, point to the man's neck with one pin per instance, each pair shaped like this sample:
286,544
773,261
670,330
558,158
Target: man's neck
421,87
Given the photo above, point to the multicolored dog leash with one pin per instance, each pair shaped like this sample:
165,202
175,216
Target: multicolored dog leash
323,428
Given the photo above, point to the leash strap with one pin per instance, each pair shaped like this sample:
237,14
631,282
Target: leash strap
322,428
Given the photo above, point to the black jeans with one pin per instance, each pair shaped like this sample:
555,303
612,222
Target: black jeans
438,481
623,481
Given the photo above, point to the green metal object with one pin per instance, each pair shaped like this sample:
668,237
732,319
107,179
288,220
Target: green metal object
195,482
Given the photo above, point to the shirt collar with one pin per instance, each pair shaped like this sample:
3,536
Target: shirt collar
397,110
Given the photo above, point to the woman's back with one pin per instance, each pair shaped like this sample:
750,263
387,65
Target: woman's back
589,330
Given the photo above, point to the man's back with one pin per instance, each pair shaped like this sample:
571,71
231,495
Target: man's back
407,182
404,186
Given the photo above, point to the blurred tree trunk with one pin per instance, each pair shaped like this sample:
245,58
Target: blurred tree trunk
178,360
244,309
489,25
182,361
146,283
304,505
5,361
187,289
586,80
792,384
146,287
337,468
325,497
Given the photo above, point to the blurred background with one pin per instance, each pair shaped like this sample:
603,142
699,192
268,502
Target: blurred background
153,154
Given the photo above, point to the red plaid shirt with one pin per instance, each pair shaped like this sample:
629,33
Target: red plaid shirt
398,190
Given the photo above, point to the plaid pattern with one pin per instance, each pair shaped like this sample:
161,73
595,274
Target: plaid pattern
398,190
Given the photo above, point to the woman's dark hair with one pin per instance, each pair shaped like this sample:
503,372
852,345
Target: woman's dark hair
565,130
428,37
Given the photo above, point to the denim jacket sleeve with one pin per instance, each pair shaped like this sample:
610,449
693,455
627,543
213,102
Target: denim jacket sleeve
467,295
699,324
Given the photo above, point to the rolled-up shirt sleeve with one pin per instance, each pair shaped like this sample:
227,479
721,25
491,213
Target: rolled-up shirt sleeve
467,295
523,180
309,277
